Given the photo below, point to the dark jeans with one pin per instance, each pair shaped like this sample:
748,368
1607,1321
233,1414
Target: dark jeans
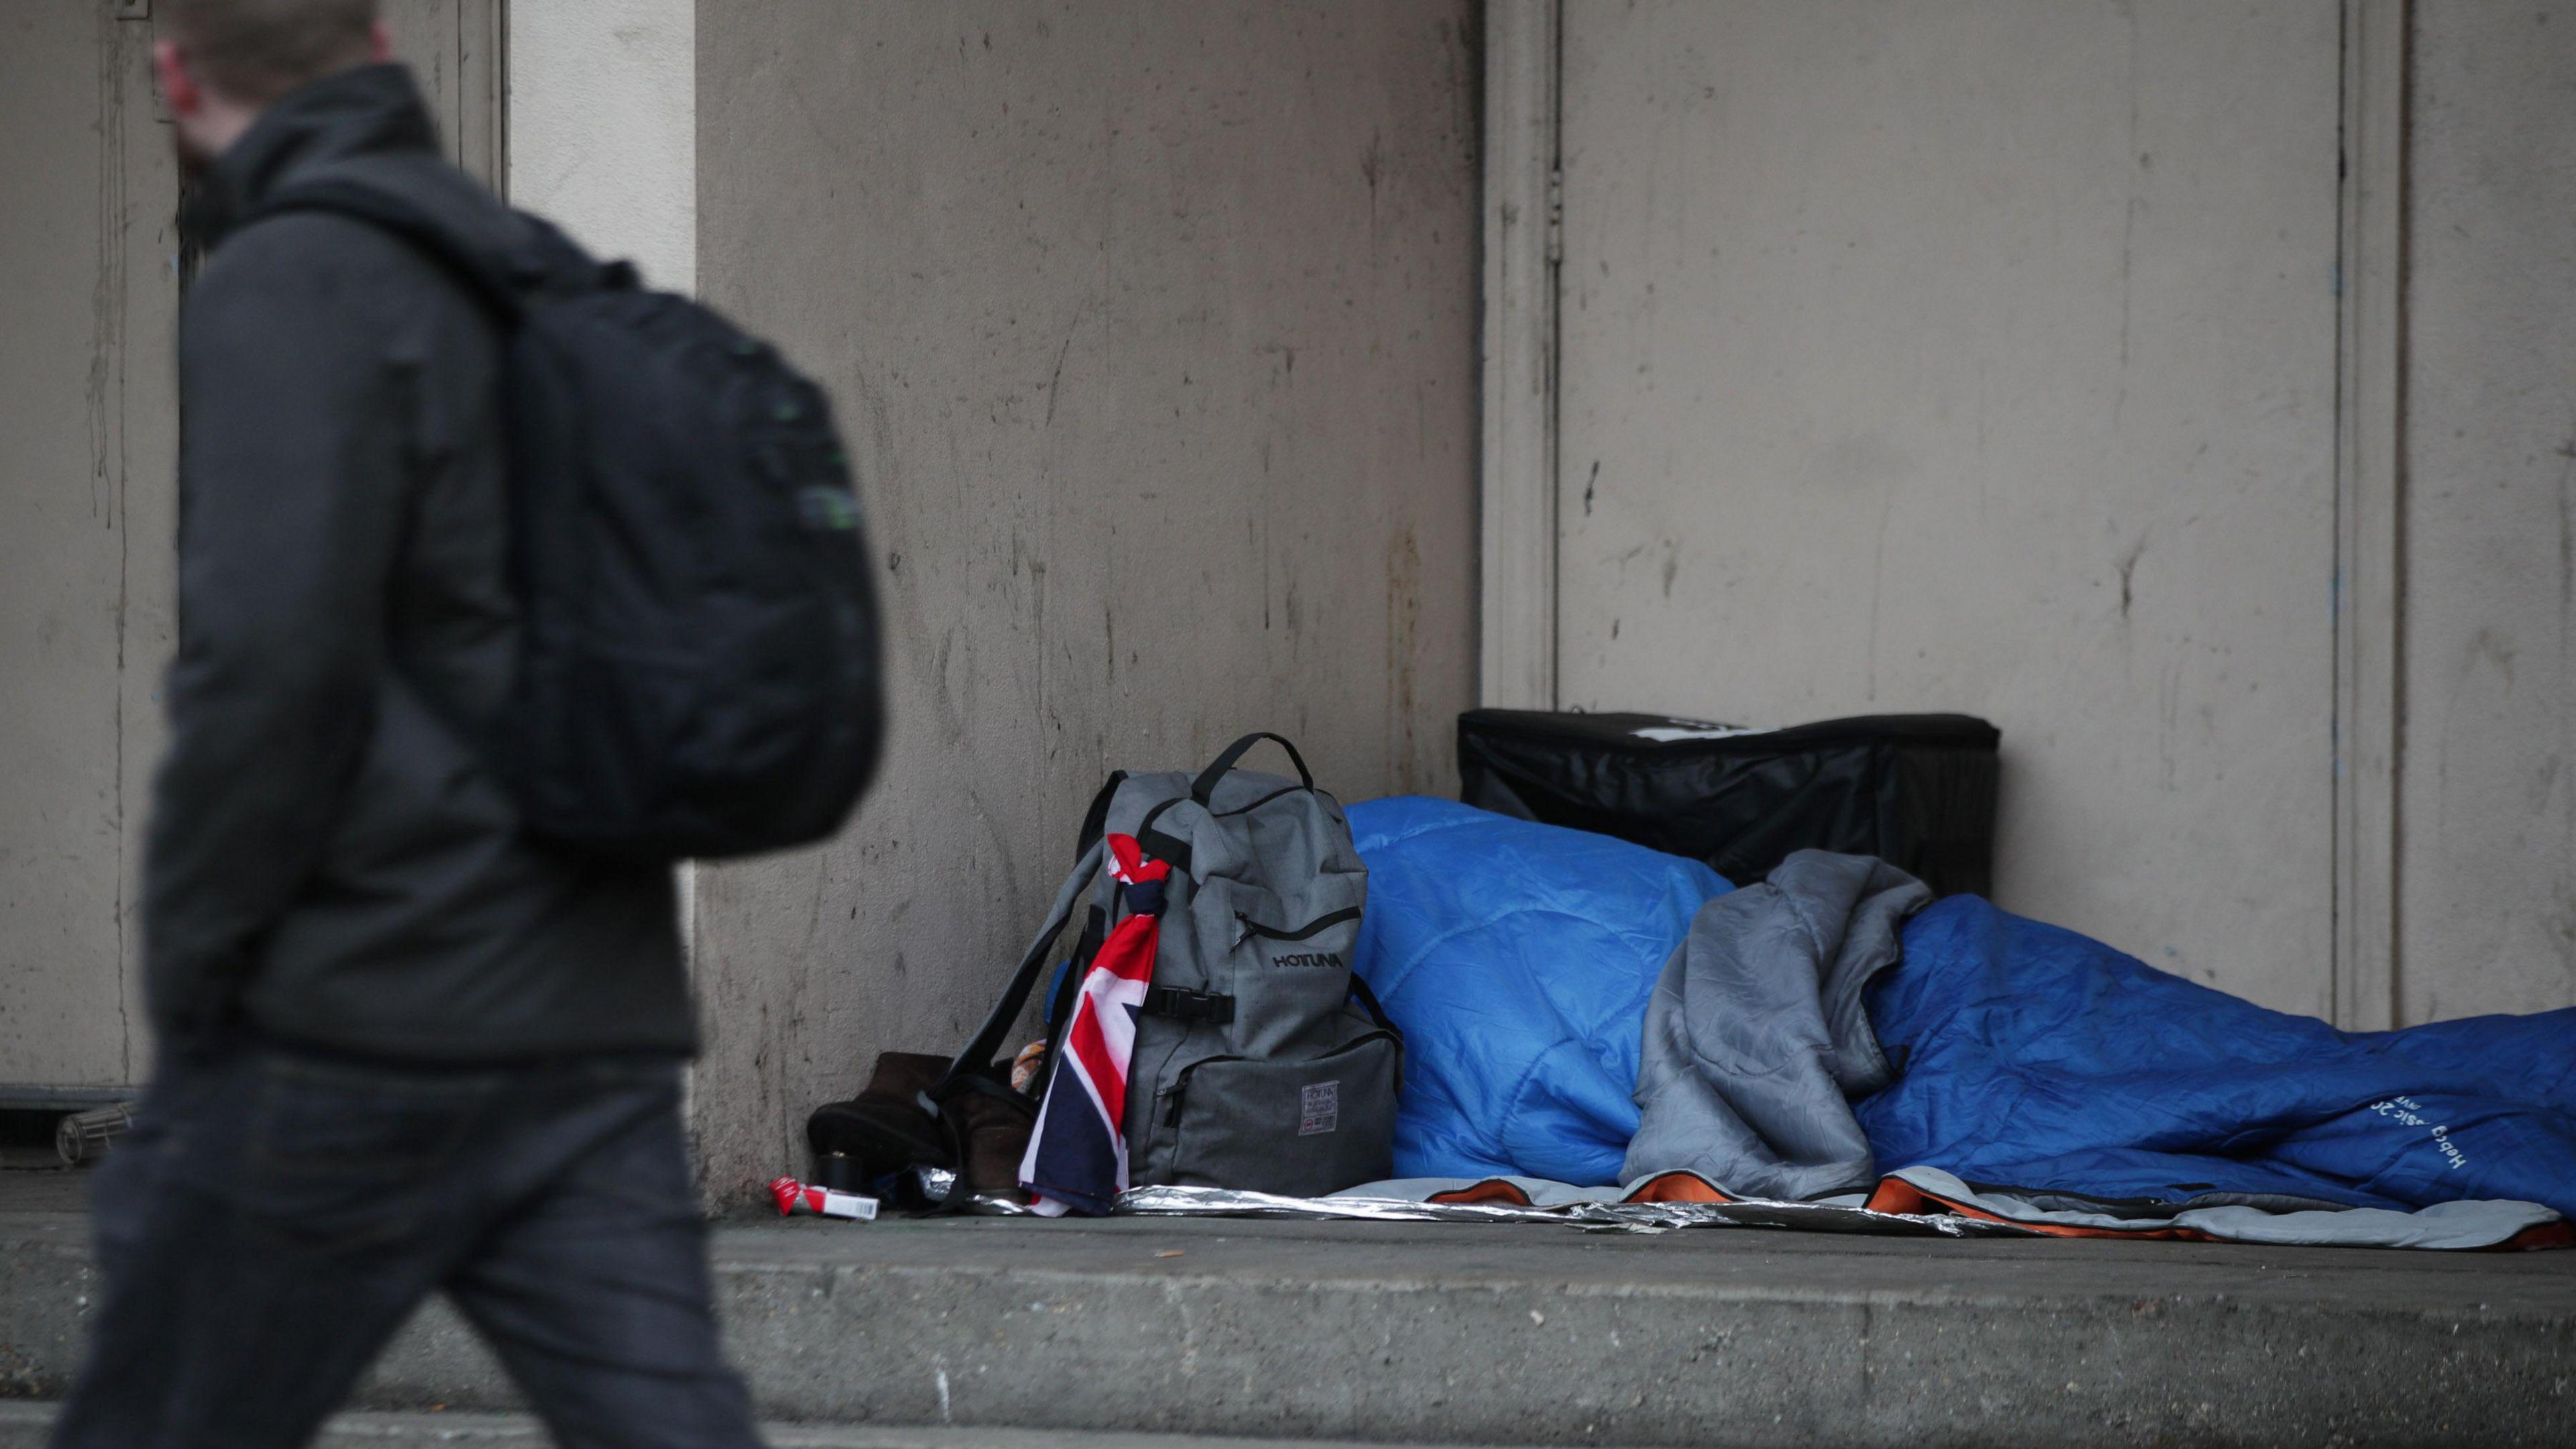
273,1218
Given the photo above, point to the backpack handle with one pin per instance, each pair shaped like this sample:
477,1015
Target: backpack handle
1204,788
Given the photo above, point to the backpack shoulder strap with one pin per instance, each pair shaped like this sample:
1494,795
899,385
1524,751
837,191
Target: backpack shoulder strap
1095,820
978,1056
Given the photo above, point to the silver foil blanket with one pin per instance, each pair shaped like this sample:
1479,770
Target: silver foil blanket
1647,1217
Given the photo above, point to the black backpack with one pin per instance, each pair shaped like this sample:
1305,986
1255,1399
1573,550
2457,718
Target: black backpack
700,672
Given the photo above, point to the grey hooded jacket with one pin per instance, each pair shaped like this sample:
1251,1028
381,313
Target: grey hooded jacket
329,862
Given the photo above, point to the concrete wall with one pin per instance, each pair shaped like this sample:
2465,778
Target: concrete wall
1978,357
2488,867
1983,357
1152,329
455,49
603,127
88,436
87,432
1152,326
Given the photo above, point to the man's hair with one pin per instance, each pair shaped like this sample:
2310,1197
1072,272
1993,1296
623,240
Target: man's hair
257,50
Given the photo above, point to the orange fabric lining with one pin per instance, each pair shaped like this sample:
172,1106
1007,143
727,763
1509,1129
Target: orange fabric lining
1492,1189
1663,1187
1676,1187
1889,1190
2560,1234
1895,1195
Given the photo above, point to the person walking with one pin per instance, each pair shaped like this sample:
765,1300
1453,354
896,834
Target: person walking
405,1047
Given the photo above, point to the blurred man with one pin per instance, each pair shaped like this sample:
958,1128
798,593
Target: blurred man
403,1047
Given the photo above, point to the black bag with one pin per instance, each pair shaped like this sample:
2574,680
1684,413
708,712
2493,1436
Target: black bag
876,1142
700,673
1916,790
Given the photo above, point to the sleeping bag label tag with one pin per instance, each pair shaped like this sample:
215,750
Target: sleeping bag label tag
1319,1108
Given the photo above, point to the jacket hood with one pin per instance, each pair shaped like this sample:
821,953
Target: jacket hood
374,110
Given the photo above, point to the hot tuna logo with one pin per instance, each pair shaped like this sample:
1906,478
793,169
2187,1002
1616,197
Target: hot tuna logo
1332,959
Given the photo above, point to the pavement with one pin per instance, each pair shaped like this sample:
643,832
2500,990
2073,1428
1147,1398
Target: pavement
24,1425
1534,1334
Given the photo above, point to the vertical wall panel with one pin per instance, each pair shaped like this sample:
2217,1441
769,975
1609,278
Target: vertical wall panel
1978,357
1152,328
454,50
2488,823
87,292
88,439
603,126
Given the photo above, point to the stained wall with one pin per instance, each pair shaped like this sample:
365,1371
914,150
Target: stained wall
89,297
1152,330
2487,869
88,292
1981,358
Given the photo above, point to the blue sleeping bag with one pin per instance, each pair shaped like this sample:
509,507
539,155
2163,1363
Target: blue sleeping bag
2035,1057
1517,959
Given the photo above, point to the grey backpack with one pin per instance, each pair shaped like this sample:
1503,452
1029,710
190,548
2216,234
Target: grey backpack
1260,1061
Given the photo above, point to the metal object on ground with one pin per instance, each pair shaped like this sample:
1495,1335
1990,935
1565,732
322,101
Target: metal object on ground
84,1136
938,1186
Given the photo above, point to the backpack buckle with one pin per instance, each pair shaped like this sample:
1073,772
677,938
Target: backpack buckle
1189,1006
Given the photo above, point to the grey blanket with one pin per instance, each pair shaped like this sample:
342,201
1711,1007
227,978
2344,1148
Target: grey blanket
1757,1039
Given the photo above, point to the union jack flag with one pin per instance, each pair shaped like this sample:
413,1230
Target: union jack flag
1077,1157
